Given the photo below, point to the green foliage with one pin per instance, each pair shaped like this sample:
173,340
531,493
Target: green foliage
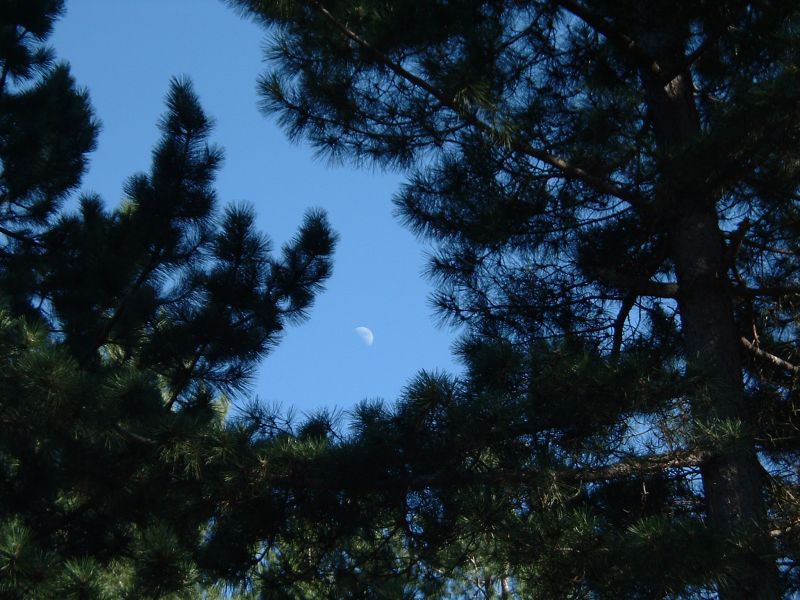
611,189
123,335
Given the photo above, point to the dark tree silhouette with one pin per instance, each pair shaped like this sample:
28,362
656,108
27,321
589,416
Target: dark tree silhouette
123,334
612,189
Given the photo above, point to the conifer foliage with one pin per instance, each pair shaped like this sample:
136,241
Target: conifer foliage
612,188
123,334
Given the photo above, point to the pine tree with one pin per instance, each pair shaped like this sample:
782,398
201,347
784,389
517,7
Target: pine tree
125,334
613,191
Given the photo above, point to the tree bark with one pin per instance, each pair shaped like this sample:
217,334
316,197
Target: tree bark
731,477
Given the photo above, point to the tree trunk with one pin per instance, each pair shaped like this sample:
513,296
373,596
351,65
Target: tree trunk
732,477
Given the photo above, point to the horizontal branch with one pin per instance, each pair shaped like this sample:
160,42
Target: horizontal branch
766,292
772,249
659,289
639,286
644,465
769,357
134,437
633,467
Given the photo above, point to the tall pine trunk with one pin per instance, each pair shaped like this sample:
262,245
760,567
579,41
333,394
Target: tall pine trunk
732,479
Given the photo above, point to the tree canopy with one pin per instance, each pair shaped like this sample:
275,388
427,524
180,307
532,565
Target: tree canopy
123,335
612,191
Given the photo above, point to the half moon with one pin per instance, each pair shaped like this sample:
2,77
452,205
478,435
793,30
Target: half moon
365,334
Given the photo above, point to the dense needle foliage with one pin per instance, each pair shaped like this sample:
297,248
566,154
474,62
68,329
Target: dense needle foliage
123,334
612,189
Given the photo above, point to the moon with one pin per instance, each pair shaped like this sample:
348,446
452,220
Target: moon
366,335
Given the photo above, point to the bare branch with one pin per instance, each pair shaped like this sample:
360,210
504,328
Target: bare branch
772,249
735,243
696,54
619,323
134,437
769,357
639,286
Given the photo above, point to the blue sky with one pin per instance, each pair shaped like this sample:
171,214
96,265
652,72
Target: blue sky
125,53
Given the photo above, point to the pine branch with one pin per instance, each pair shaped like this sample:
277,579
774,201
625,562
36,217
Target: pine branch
639,286
658,289
619,323
621,40
785,530
697,53
568,170
735,244
769,357
643,465
186,376
633,467
102,336
776,291
16,235
772,249
4,75
134,437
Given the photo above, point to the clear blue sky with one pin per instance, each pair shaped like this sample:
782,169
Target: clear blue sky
125,52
